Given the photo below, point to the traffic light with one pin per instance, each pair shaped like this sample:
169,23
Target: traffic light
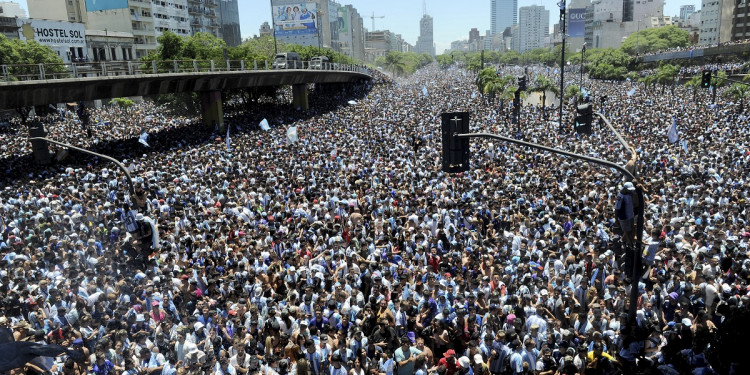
706,79
522,83
456,152
584,118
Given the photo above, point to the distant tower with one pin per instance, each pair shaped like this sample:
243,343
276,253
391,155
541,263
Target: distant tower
425,42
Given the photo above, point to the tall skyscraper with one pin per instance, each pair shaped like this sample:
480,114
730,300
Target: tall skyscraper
229,13
425,41
533,27
503,14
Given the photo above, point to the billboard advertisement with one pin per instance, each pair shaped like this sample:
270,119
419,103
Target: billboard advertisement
94,5
577,23
52,33
343,18
295,19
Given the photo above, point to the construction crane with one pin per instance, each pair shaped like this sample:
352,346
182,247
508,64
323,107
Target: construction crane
373,17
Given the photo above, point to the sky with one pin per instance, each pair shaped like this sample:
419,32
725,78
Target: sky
452,19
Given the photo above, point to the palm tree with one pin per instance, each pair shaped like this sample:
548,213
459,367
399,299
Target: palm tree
484,77
666,74
543,84
694,83
394,62
738,92
573,91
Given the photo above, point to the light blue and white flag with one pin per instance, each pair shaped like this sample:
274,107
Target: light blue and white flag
264,125
144,139
291,135
684,145
424,90
229,147
672,132
631,92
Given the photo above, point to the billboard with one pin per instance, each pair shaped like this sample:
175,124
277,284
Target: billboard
295,19
52,33
577,23
343,18
94,5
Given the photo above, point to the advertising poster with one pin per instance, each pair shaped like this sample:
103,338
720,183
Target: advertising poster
577,23
343,18
295,19
52,33
95,5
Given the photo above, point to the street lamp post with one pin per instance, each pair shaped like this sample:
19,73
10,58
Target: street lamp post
583,57
561,4
131,186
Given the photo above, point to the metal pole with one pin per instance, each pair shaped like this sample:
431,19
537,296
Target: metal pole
131,186
562,61
573,155
583,56
273,22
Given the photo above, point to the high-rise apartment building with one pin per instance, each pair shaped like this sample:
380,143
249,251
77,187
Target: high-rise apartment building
533,27
229,16
473,35
716,21
503,14
425,42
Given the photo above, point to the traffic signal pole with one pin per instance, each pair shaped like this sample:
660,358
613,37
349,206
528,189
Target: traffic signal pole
573,155
455,137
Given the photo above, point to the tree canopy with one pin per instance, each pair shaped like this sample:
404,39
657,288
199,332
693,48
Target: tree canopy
655,39
19,52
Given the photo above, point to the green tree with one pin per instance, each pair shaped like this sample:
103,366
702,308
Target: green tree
609,64
171,46
510,57
394,62
542,84
695,84
738,92
666,74
655,39
485,76
122,102
573,91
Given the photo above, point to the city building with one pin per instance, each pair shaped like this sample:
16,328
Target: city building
204,16
741,22
533,27
378,43
111,33
686,11
265,29
350,36
503,14
473,35
716,21
229,14
425,42
11,9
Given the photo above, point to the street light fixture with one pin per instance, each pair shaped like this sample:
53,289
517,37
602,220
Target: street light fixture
131,186
561,4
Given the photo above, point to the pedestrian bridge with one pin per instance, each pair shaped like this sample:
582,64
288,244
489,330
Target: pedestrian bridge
43,84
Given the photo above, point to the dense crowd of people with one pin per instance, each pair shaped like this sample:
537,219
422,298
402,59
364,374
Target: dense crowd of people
349,251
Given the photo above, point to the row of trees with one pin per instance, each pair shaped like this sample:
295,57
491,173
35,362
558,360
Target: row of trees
402,63
504,87
205,46
601,63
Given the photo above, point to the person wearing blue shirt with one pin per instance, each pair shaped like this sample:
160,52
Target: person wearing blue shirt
406,355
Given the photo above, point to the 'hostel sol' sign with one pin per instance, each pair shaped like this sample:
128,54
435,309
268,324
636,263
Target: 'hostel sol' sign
52,33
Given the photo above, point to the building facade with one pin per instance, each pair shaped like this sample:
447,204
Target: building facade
11,9
425,42
533,27
741,22
686,11
503,14
229,15
716,21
